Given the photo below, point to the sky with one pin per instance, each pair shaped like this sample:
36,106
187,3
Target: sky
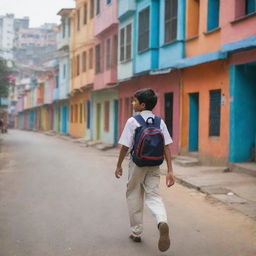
38,11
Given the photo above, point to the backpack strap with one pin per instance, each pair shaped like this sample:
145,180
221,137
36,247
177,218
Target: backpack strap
157,121
140,120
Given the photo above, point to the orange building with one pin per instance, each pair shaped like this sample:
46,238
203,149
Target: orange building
205,87
82,70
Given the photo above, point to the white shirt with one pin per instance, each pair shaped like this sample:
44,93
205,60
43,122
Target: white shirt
128,133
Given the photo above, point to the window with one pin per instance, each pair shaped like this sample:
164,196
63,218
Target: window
97,7
143,30
250,6
122,44
97,59
108,1
193,14
69,26
63,28
170,20
84,61
72,114
215,103
91,58
64,71
77,65
125,43
76,113
85,13
88,114
114,50
91,9
106,116
78,19
108,53
128,41
213,14
81,113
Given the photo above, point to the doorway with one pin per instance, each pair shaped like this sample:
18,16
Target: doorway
193,121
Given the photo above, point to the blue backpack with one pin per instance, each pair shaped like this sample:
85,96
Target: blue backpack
148,148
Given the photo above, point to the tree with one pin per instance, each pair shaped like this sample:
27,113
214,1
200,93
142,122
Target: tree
5,74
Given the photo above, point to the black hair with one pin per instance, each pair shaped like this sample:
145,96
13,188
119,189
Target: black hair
147,96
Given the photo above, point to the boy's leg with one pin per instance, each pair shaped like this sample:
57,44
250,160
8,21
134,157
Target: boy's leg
135,198
155,203
153,199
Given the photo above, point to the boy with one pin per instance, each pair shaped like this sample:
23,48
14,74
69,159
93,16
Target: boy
145,180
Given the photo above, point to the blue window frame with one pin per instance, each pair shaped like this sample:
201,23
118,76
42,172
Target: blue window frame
213,14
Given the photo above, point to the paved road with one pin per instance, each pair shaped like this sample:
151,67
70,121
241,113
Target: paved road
60,199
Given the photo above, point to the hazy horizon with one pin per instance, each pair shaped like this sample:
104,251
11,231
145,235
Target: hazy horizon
39,12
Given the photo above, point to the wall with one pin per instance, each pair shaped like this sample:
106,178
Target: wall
202,78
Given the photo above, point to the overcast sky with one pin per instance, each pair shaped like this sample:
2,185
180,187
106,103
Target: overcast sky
38,11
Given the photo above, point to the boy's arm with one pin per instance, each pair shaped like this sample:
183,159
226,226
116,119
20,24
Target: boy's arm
122,154
169,176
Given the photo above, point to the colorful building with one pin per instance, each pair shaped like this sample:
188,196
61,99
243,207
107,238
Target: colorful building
151,32
82,74
105,94
238,40
63,84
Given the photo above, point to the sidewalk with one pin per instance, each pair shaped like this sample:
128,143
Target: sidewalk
236,190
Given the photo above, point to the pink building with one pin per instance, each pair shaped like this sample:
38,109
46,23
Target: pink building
104,94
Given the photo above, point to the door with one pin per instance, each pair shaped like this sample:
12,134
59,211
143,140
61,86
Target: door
64,119
168,105
115,121
193,121
98,122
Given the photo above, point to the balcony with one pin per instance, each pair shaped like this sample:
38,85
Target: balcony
126,8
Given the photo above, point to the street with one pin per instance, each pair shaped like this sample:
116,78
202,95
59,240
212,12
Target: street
58,198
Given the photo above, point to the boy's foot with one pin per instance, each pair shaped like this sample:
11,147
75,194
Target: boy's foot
136,239
164,239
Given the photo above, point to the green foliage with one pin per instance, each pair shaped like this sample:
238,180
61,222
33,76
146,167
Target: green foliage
4,82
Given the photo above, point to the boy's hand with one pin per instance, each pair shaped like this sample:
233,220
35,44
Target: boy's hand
169,179
119,172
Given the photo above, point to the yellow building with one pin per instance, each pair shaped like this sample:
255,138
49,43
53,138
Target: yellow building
82,67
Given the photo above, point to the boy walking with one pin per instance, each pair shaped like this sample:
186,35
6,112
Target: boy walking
144,172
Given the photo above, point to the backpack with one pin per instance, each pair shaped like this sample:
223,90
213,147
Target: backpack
148,148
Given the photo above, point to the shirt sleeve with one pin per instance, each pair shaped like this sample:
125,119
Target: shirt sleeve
127,135
167,137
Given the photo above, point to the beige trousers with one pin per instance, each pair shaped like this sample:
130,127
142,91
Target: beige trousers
143,183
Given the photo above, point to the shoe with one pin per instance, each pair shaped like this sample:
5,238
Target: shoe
136,239
164,239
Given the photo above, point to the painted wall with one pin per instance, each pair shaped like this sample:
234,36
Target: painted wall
126,8
170,53
77,128
107,76
125,69
161,84
242,112
106,18
236,25
81,40
99,97
202,78
204,41
148,59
